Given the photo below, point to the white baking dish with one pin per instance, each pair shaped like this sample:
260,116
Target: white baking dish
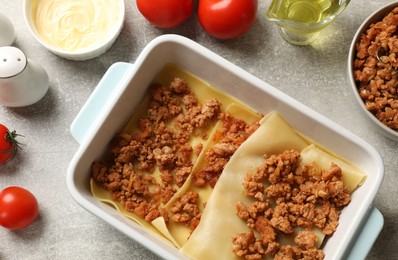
122,87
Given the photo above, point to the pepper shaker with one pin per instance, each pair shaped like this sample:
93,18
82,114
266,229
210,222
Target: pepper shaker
7,31
23,82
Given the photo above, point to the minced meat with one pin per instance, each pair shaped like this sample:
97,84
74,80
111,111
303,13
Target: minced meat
376,69
286,195
173,116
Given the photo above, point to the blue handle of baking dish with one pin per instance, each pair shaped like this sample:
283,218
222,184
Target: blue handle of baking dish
367,236
97,100
109,83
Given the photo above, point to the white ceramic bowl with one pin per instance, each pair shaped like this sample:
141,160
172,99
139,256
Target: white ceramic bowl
80,54
208,66
374,17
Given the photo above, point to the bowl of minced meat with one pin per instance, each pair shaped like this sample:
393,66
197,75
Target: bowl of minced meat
373,68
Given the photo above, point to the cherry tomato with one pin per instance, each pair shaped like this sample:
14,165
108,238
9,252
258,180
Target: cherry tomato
227,19
165,13
18,208
8,144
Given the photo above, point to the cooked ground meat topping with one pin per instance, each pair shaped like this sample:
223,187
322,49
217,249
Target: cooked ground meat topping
186,210
233,133
174,115
288,195
377,79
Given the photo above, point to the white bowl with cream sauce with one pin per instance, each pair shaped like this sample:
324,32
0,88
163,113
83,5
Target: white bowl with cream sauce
75,29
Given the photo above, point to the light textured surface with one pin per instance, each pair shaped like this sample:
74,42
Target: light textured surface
315,75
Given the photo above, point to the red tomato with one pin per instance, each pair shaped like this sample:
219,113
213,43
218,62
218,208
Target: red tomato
227,19
18,208
165,13
8,144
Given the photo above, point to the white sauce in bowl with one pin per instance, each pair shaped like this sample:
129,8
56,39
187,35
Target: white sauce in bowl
75,24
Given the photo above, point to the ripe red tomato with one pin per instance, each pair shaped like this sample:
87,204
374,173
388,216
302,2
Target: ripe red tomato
8,144
165,13
18,208
227,19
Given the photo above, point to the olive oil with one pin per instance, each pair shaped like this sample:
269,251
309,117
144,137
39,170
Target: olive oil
307,11
300,21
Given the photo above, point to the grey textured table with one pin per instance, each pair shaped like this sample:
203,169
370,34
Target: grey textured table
315,75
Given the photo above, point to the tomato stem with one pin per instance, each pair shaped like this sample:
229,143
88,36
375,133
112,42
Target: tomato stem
11,137
8,150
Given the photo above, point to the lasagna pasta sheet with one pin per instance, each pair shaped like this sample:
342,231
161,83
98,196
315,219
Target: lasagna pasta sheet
104,196
219,223
212,238
352,177
178,233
